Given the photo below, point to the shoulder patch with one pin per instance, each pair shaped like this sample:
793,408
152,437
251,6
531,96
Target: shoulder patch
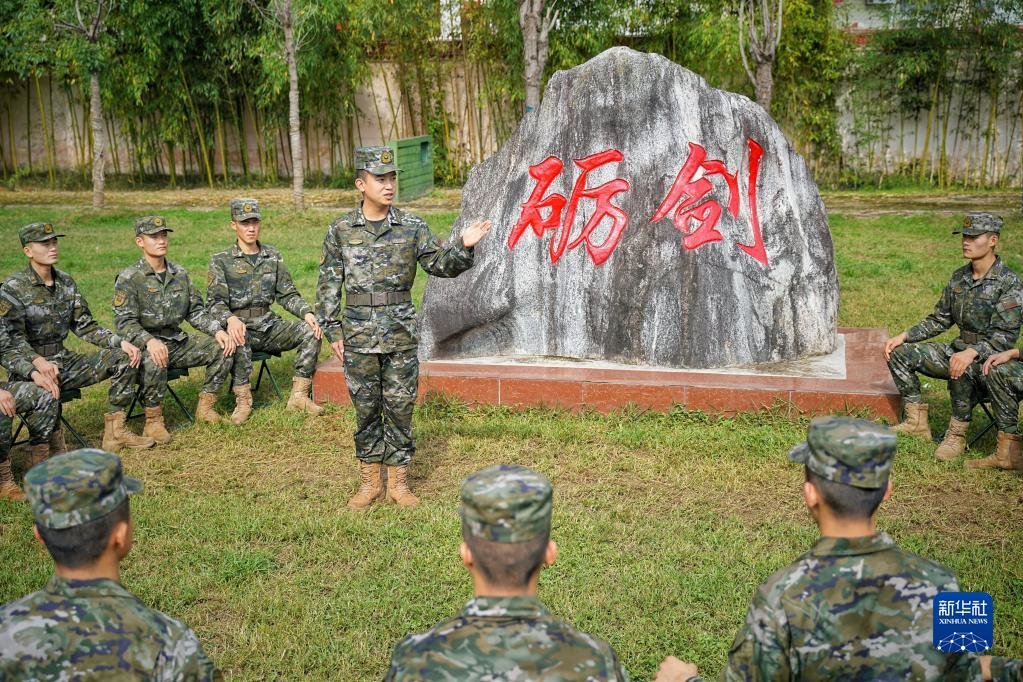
5,307
119,298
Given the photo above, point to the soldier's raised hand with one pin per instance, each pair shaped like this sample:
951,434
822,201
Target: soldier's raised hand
157,350
474,233
310,320
236,330
227,344
133,353
7,405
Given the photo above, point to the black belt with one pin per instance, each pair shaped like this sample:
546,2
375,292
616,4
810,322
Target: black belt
249,313
379,298
970,338
165,332
48,350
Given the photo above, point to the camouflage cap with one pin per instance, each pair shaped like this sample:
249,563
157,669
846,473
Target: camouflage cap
78,487
38,232
151,224
855,452
376,160
979,223
506,503
243,209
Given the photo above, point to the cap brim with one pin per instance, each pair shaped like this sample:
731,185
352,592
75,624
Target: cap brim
383,170
156,231
800,453
47,238
970,231
132,485
245,216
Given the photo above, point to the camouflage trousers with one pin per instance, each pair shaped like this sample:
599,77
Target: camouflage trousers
192,351
281,336
1005,386
383,388
932,360
37,407
78,370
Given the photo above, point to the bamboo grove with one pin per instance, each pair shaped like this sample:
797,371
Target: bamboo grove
197,91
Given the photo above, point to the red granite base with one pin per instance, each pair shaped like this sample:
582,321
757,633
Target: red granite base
867,384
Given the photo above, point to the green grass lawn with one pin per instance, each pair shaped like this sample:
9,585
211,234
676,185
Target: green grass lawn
666,523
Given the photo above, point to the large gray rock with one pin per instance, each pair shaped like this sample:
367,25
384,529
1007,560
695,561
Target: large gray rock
652,300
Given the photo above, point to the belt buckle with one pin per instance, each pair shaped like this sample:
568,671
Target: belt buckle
378,298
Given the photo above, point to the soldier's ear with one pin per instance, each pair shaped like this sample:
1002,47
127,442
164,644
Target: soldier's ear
138,241
39,537
887,490
121,538
466,555
811,496
550,554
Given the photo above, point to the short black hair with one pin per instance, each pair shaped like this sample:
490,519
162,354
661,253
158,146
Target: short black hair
82,545
362,174
848,501
507,564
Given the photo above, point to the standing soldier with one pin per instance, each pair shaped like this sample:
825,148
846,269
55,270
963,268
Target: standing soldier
372,253
42,304
983,300
151,300
243,282
38,407
505,632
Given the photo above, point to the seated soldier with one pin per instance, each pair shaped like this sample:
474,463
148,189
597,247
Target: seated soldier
1003,377
243,282
983,300
855,607
84,624
41,305
151,300
505,633
38,407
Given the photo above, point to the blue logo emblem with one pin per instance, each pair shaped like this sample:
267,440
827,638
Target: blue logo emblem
964,622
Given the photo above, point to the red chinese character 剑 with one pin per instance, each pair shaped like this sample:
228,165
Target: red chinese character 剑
687,193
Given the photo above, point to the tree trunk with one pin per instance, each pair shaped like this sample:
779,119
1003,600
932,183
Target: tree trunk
294,120
99,142
529,20
765,85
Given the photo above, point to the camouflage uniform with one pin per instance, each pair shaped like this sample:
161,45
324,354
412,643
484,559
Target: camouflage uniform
90,629
236,286
376,267
850,608
40,318
988,314
505,638
146,307
36,406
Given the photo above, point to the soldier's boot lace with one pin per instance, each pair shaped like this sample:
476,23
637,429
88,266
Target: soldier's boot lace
1006,456
370,487
57,443
37,454
299,399
155,428
954,443
9,490
915,421
116,434
242,404
397,487
204,411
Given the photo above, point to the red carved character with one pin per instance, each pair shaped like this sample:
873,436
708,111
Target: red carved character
687,194
544,174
